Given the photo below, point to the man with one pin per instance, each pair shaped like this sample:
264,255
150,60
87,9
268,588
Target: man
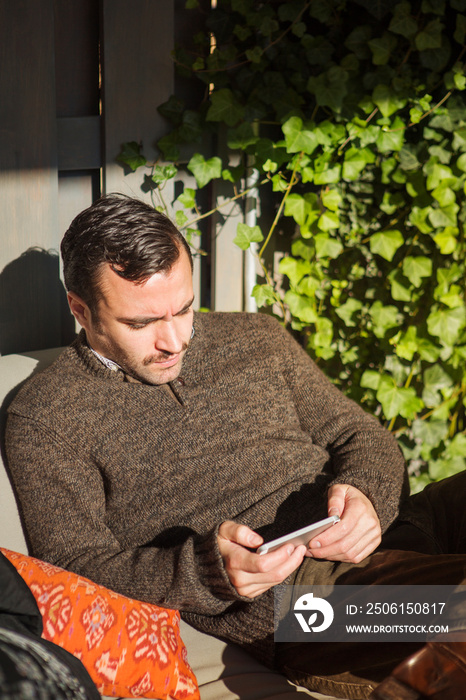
163,447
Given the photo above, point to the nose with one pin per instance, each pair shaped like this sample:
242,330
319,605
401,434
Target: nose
168,337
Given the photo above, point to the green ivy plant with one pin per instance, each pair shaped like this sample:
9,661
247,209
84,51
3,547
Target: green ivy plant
351,118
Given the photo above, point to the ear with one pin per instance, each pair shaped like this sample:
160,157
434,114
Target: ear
80,310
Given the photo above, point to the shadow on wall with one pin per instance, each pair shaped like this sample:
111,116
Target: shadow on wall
34,312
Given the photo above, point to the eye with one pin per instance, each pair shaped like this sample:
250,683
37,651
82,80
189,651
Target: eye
136,326
185,311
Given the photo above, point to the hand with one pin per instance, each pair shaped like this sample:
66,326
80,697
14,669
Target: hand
356,535
250,573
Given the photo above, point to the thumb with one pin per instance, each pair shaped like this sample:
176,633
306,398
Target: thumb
240,534
336,499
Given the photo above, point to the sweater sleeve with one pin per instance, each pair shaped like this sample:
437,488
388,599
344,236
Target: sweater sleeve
363,453
63,508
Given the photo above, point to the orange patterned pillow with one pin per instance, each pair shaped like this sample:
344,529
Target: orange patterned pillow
129,648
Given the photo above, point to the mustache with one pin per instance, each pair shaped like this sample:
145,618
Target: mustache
162,355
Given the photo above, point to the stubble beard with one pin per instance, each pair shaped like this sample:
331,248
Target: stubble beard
137,368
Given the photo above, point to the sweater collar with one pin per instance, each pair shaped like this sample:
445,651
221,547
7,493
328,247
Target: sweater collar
110,369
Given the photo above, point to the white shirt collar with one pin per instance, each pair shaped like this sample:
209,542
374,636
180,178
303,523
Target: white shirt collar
105,361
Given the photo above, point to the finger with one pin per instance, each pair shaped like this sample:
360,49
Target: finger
336,499
352,548
241,534
254,584
272,560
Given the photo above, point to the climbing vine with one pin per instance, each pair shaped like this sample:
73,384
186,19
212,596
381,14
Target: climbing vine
350,119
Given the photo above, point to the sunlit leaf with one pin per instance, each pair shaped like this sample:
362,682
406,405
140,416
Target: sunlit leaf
245,235
386,243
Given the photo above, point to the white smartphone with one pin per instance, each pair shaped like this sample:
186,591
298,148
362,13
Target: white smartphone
302,536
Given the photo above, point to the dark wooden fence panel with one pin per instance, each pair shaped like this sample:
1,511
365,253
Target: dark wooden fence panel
77,79
30,300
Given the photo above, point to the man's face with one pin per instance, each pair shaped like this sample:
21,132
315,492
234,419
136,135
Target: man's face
145,328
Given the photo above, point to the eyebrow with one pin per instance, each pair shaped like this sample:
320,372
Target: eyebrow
150,319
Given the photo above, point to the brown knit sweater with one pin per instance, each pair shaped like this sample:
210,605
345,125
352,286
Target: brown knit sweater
126,483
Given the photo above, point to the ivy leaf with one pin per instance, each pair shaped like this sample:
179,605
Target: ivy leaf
264,295
294,269
327,247
241,137
254,55
301,307
398,401
386,99
169,146
331,199
246,235
329,88
131,155
457,447
370,379
309,286
436,378
302,248
415,115
428,351
356,41
443,468
323,336
401,289
348,310
172,110
442,120
188,198
438,174
447,275
460,31
407,344
369,135
430,37
162,173
459,139
181,219
402,22
446,240
444,216
444,196
328,221
295,206
205,170
430,432
386,243
326,173
329,133
446,324
355,161
297,138
418,218
415,268
224,108
383,317
304,210
408,159
453,297
392,139
382,48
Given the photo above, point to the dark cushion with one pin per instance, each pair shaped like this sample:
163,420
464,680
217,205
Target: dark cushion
31,667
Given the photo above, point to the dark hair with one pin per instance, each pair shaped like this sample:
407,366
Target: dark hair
135,239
